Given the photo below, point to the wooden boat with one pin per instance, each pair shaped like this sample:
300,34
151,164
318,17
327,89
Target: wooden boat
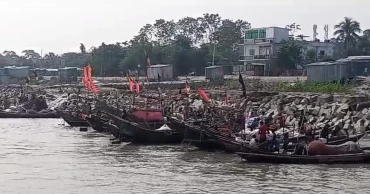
140,133
96,122
194,134
335,140
137,115
28,115
305,159
72,120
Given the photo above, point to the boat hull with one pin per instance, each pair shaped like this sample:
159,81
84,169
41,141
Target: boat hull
28,115
139,133
305,159
72,120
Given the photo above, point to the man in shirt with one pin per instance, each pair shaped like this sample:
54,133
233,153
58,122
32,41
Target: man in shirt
262,132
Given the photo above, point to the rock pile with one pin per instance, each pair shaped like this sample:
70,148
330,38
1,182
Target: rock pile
343,111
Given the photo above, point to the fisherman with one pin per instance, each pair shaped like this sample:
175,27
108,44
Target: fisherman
253,142
262,116
262,132
285,142
302,120
309,128
325,132
274,146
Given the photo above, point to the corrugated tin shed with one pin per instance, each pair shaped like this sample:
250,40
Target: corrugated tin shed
17,72
214,73
335,71
165,71
67,74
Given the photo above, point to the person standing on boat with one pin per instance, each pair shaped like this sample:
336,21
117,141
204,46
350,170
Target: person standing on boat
253,142
262,116
309,131
325,132
285,142
262,132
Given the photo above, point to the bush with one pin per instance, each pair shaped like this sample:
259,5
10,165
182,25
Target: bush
316,87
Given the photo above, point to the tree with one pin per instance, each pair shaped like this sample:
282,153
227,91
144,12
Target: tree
52,60
31,54
347,32
11,54
289,55
164,30
311,56
106,59
82,48
367,33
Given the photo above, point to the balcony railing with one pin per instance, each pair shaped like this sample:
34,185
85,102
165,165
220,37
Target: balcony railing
254,57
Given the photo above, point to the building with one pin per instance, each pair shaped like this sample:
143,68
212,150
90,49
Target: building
13,74
259,45
347,68
67,74
214,73
322,49
162,71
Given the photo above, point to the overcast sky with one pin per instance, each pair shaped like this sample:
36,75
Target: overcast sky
60,25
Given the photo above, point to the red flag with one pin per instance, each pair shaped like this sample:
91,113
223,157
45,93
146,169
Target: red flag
203,94
131,85
187,86
84,78
148,59
94,89
90,83
226,98
89,74
137,87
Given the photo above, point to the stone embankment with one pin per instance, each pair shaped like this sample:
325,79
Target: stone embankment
343,111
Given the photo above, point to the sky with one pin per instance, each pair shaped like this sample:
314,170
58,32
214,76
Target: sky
61,25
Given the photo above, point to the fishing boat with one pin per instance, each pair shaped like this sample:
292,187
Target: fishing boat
96,122
140,133
336,140
314,153
73,120
194,134
304,159
152,118
28,115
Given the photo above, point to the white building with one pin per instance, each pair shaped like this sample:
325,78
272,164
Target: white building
259,45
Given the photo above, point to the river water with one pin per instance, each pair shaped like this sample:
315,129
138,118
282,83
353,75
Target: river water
40,156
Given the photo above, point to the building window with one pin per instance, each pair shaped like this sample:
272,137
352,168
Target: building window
252,52
262,33
322,53
248,34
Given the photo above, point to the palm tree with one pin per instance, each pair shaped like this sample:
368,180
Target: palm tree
347,31
82,48
367,33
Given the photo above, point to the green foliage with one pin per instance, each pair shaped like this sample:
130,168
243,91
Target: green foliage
189,44
289,55
316,87
347,31
311,56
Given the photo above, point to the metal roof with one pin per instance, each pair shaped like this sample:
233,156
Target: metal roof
65,68
213,67
321,64
159,65
51,69
354,59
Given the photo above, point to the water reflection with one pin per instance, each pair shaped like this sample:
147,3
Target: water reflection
40,156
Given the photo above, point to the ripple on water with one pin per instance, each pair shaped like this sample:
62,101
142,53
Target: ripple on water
41,156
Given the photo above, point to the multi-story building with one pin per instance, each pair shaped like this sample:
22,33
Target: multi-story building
259,45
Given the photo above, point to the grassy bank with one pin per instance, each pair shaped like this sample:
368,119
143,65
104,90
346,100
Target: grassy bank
316,87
